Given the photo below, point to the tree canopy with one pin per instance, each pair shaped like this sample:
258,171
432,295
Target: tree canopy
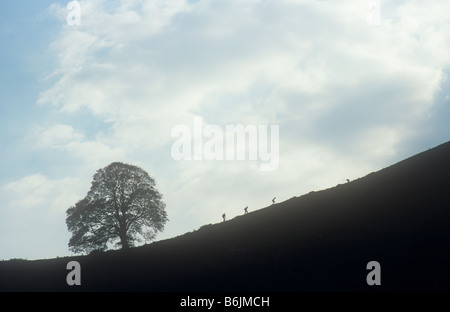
121,208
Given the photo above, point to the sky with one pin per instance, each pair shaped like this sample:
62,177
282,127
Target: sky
353,86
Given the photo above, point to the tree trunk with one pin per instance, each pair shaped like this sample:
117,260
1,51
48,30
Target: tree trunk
124,240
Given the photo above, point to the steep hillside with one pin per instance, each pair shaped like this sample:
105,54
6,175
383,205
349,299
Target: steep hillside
322,241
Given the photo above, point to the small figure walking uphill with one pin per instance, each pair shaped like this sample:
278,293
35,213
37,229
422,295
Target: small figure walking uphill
273,200
245,210
224,217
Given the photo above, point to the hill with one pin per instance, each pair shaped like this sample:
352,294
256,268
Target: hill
321,241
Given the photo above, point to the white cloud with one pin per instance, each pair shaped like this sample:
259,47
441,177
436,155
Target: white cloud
65,140
29,192
57,136
335,83
33,215
39,192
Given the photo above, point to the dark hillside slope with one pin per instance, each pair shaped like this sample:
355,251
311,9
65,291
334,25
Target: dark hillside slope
322,241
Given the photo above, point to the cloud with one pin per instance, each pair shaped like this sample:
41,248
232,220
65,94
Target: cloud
57,136
69,143
33,215
332,82
30,191
38,191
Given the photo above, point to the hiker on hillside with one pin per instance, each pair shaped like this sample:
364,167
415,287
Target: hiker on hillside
224,217
245,210
273,200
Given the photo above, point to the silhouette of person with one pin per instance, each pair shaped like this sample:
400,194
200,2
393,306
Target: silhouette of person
224,217
348,180
245,210
273,200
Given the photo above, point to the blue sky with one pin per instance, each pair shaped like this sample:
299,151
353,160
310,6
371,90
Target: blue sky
349,98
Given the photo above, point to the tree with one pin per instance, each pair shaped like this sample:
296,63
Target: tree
122,207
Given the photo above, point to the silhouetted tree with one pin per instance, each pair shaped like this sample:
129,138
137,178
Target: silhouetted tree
121,207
